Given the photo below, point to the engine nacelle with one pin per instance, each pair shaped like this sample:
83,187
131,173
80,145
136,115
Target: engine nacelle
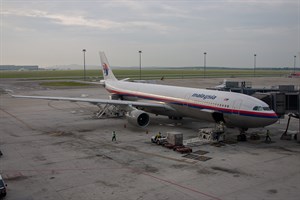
138,118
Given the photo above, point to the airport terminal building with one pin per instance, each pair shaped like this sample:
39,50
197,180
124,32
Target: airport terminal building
18,67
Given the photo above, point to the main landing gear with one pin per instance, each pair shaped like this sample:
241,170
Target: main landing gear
242,136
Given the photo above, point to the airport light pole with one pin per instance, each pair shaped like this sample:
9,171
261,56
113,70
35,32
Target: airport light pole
140,52
84,50
254,72
204,64
294,64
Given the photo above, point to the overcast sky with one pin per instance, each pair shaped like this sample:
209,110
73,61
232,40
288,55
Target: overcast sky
170,32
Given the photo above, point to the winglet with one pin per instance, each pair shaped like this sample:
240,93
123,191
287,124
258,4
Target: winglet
107,72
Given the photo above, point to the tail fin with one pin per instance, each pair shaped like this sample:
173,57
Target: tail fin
107,73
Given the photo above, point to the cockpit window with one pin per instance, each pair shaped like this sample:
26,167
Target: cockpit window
266,108
258,108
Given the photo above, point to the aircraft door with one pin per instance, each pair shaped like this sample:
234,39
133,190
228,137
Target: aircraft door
232,119
186,103
186,99
236,106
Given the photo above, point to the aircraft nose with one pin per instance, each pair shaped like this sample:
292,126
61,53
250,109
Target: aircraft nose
271,119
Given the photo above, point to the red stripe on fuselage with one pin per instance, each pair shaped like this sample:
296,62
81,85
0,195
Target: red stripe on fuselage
169,100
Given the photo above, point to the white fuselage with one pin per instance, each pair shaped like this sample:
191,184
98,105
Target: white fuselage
236,110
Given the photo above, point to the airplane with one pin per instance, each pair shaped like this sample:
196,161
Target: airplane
137,100
222,85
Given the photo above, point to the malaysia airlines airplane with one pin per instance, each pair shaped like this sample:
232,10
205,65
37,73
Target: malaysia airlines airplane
233,109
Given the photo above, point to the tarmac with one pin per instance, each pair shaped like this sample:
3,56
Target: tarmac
58,150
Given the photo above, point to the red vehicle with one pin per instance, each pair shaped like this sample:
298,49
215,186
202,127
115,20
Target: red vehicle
294,75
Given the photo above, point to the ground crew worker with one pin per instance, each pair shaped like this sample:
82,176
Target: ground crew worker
268,138
221,126
114,138
158,136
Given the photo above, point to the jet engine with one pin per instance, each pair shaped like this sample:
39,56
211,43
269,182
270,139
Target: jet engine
138,118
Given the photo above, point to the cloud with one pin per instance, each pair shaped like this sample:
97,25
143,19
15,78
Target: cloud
129,4
79,20
262,31
159,28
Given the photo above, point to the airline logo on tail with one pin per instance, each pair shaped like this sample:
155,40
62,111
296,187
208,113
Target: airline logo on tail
105,69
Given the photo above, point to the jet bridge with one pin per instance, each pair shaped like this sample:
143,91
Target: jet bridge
282,102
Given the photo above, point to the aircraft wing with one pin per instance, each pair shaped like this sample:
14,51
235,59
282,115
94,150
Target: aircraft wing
101,101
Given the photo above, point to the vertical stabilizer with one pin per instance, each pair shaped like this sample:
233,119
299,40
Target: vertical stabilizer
107,72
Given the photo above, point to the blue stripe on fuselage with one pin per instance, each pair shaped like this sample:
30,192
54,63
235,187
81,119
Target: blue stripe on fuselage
222,110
